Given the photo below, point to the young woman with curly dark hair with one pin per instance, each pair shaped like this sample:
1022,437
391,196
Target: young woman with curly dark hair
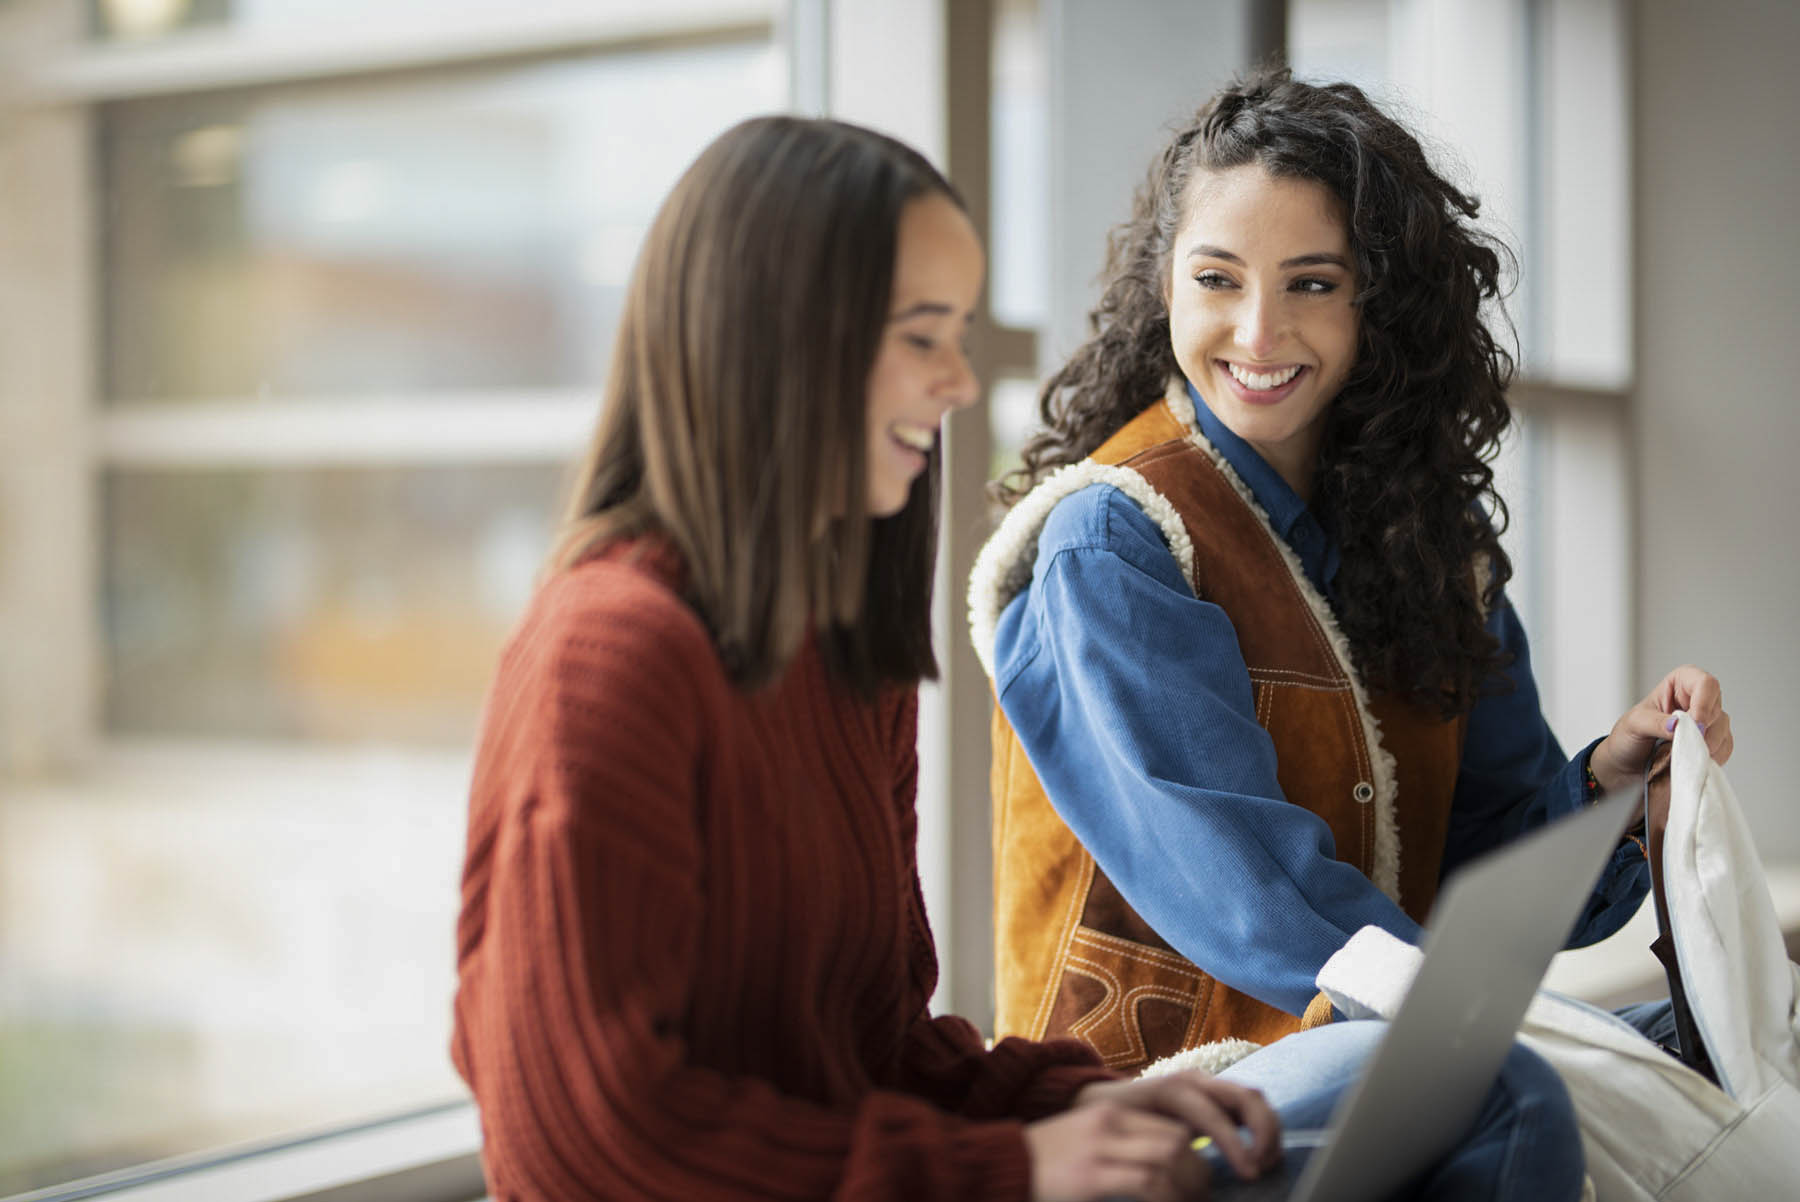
1259,681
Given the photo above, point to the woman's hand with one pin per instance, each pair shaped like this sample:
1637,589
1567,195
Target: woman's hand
1132,1138
1644,729
1643,732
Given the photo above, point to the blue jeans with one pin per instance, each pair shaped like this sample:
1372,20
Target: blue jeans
1655,1021
1524,1145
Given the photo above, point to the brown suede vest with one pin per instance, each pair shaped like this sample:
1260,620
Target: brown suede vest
1073,957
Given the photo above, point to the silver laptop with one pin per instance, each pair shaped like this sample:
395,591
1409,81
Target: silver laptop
1491,936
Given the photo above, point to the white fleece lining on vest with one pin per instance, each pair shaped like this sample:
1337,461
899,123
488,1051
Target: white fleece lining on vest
1214,1058
1385,872
1003,569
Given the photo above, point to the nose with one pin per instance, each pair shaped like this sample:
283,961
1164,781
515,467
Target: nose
960,387
1259,324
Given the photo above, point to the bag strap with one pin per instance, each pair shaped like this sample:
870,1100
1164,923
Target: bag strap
1688,1048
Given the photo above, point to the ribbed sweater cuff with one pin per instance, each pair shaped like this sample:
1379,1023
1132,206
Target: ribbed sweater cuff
994,1162
1052,1091
1033,1080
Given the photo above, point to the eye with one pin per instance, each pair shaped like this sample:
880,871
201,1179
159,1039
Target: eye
920,342
1213,280
1315,285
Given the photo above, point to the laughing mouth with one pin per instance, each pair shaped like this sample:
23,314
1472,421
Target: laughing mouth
1263,381
919,438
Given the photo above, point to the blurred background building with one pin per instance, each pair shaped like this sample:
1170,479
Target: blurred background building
304,308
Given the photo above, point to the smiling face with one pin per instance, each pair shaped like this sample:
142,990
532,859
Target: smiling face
1259,310
921,371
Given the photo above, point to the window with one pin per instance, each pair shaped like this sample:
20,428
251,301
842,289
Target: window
353,296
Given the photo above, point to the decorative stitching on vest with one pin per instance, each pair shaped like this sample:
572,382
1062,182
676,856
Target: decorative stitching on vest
1386,870
1003,568
1123,1003
1134,950
1077,901
1095,971
1298,679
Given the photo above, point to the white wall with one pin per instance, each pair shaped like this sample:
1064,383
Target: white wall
1716,418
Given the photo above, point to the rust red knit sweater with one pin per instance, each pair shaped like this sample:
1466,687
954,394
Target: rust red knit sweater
693,960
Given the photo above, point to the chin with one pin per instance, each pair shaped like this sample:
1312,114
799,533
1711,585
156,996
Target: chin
887,507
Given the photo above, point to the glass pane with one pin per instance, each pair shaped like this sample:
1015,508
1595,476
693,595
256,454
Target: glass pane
235,922
1340,39
1012,419
468,230
203,945
1019,289
336,605
140,20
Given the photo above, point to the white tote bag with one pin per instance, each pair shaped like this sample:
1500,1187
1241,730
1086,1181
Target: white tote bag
1652,1128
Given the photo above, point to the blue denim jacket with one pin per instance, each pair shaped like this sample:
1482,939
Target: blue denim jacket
1134,706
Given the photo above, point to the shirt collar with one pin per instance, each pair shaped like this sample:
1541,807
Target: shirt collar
1288,514
1278,499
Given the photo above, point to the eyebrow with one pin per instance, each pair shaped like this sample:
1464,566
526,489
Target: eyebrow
1320,259
927,309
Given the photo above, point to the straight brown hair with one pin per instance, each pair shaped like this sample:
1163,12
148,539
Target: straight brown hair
733,421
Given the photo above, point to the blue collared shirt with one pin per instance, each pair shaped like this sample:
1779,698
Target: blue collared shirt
1133,704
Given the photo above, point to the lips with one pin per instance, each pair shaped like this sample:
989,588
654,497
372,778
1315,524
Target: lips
915,438
1264,387
1263,381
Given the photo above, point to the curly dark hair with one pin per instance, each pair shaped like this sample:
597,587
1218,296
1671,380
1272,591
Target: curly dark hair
1404,482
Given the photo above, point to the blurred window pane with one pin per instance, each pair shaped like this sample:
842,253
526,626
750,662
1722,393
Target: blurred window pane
141,20
1019,289
203,945
236,923
462,230
339,605
1012,420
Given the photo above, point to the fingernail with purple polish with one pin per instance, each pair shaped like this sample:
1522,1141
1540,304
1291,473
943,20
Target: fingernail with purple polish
1670,724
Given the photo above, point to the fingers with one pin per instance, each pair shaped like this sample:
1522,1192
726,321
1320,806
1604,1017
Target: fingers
1203,1105
1639,741
1251,1111
1106,1149
1692,689
1217,1109
1139,1137
1719,743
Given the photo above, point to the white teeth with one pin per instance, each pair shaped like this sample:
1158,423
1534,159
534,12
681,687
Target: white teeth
1258,382
919,438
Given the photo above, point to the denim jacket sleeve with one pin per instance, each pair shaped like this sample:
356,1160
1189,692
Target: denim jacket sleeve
1514,777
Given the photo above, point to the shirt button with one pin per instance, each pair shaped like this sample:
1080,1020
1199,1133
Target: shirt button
1364,792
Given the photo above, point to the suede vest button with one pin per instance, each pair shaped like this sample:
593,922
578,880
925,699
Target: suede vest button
1364,792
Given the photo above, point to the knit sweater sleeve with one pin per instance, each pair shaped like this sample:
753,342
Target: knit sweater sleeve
582,903
945,1058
